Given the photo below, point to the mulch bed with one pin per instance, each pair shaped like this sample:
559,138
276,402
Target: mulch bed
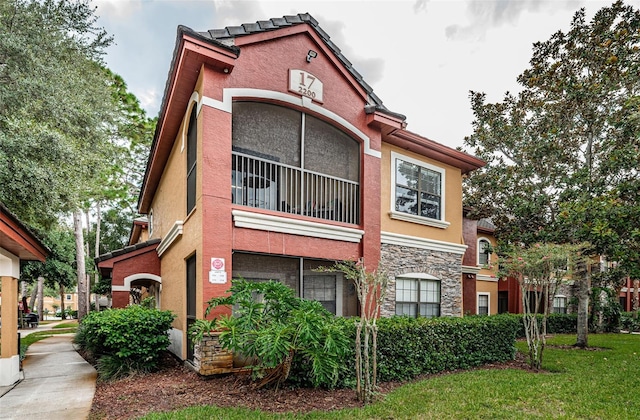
176,386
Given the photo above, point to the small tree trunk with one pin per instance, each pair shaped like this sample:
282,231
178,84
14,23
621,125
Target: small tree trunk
41,298
63,315
34,295
97,253
635,301
80,270
62,302
583,310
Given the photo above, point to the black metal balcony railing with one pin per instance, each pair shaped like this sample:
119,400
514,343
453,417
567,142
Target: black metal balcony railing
270,185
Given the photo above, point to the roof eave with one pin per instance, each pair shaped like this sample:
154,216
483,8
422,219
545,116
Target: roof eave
190,45
426,147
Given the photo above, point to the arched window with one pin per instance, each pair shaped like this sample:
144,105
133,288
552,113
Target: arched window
290,161
484,252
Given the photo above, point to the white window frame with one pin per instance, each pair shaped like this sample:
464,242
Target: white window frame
481,239
553,304
281,277
418,277
339,287
438,223
150,222
488,295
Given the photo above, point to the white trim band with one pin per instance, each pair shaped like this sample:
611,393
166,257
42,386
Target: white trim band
468,269
485,277
423,243
259,221
406,217
129,279
173,235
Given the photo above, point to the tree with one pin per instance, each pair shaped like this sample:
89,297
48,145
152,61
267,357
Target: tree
58,270
371,288
562,154
53,106
63,117
539,270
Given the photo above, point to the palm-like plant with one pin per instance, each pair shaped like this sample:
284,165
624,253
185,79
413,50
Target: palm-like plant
270,326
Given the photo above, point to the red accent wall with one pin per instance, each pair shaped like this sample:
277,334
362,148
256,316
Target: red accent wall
216,197
511,286
265,65
469,294
145,262
470,235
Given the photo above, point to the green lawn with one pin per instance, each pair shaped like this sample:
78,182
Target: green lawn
576,384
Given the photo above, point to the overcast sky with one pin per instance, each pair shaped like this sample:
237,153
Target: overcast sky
421,57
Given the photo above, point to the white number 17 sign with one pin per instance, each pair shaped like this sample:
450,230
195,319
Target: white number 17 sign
305,84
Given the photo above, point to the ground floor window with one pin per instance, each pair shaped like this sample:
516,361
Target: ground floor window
417,296
332,290
483,303
560,305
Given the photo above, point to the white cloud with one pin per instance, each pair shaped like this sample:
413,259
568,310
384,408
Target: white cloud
420,56
118,9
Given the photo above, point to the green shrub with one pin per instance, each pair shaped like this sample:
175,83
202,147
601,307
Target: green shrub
273,327
556,323
132,338
408,347
629,323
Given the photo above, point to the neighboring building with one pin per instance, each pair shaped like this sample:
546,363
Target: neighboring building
273,157
626,295
17,244
479,268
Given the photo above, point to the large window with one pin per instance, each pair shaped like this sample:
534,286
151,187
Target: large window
289,161
560,305
484,252
417,297
335,293
417,191
192,155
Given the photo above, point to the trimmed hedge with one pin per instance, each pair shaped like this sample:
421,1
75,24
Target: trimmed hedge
556,323
409,347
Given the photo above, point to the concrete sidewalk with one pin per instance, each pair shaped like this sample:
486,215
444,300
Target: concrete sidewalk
58,383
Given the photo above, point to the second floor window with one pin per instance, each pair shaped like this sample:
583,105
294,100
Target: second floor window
484,248
293,162
192,154
418,188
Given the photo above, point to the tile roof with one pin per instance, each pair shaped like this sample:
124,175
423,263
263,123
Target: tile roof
224,38
126,250
486,224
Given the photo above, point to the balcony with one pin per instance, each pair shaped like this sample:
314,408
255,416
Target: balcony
262,183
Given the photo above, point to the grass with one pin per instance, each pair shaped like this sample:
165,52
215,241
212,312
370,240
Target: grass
68,324
576,384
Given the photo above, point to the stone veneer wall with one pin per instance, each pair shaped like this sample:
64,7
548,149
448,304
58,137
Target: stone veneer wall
446,266
569,290
211,359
